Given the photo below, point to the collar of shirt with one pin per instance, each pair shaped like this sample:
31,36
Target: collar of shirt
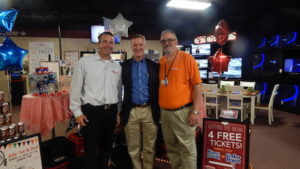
143,61
101,59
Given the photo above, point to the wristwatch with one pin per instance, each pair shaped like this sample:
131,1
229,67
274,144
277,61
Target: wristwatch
195,112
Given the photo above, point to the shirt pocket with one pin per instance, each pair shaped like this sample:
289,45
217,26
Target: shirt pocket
180,75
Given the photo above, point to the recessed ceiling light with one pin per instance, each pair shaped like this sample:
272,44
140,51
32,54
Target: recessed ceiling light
189,4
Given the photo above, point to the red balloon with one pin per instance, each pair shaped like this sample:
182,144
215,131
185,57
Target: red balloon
219,61
222,32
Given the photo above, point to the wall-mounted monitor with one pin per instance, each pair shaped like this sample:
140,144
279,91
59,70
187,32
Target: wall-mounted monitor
289,39
274,41
272,62
234,69
203,74
202,63
258,62
262,43
292,65
201,50
117,39
96,30
266,63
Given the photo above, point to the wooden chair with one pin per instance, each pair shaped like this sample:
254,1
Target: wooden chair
247,84
209,87
236,102
235,89
211,102
224,83
240,90
269,107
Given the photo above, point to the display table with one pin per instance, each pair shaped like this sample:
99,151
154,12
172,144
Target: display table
40,113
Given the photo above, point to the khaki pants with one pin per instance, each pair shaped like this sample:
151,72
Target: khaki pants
179,138
141,134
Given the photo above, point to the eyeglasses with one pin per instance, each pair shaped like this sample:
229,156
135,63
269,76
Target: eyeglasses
167,40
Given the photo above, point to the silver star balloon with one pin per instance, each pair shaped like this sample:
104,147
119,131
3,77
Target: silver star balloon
119,25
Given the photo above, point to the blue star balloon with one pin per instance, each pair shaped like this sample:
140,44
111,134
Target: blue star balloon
11,56
7,20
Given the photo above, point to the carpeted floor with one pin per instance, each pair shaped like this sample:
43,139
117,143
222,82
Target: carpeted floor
275,146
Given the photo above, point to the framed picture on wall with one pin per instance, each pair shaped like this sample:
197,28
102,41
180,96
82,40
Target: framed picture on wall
70,61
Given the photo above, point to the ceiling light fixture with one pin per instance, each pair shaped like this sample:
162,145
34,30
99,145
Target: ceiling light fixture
189,4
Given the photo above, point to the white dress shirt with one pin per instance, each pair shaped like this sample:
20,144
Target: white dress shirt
95,81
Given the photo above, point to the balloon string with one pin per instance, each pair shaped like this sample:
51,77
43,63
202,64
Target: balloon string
220,75
9,89
221,61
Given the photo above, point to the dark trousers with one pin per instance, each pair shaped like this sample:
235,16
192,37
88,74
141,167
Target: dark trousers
98,135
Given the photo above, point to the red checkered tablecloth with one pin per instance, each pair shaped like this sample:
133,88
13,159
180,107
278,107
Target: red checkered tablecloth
40,113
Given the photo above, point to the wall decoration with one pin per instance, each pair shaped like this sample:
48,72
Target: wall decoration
40,51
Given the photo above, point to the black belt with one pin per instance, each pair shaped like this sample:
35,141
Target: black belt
108,106
182,107
104,106
140,105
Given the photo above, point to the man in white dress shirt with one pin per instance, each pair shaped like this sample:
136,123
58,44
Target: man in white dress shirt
95,99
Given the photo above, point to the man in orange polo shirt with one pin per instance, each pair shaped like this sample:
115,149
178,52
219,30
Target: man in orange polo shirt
180,100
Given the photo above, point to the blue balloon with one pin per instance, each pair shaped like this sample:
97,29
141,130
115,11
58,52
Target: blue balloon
7,20
11,56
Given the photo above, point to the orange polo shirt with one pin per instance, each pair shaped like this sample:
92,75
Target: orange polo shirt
183,75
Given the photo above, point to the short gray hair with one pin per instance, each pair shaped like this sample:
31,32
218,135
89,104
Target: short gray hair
169,31
138,36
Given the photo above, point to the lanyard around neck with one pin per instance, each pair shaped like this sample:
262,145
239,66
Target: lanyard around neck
167,73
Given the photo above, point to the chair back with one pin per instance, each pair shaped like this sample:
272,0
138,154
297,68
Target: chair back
247,84
274,93
210,98
235,89
235,101
224,83
211,101
207,87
